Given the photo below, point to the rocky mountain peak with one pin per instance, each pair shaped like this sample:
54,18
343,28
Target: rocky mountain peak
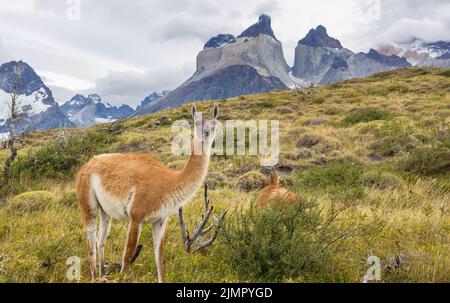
153,97
263,26
38,108
319,38
219,40
84,111
392,60
29,82
95,98
77,97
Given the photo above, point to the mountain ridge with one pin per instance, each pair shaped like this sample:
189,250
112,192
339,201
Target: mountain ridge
319,59
85,111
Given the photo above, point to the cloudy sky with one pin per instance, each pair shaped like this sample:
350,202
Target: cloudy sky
125,49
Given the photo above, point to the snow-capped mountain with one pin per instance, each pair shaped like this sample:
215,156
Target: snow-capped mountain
420,53
85,111
38,108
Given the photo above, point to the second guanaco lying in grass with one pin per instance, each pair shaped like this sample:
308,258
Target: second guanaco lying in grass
273,192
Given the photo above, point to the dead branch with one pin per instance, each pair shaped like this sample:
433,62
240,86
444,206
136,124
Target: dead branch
16,116
195,242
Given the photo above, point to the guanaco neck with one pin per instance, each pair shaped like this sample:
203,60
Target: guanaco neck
196,168
274,179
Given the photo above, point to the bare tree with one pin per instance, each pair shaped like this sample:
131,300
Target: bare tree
196,241
16,116
305,92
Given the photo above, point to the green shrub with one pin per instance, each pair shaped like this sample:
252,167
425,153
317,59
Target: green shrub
60,160
428,161
278,243
392,146
251,181
69,199
386,90
395,136
216,180
31,202
308,141
381,180
342,181
443,137
318,100
269,103
445,73
332,110
336,85
365,115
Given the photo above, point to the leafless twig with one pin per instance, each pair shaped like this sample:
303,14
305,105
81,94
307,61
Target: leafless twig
196,242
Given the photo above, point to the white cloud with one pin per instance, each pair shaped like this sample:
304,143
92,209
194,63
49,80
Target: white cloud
123,50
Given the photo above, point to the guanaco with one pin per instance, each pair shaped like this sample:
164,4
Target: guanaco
273,192
139,189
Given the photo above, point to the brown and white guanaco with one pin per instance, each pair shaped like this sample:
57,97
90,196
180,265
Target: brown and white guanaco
138,189
273,192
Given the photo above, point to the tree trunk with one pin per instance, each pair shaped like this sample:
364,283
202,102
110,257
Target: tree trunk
11,158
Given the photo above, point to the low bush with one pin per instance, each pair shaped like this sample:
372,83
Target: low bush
308,141
216,180
251,181
386,90
342,181
60,160
269,103
445,73
332,110
281,242
69,199
394,137
365,115
30,202
393,146
427,161
381,180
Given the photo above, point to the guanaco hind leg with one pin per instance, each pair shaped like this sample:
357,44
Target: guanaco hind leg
105,227
89,207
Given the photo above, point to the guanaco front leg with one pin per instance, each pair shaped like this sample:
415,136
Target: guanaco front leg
134,230
159,229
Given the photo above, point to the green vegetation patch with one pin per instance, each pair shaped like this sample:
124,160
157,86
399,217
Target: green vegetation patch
60,160
342,181
365,115
30,202
251,180
427,161
278,243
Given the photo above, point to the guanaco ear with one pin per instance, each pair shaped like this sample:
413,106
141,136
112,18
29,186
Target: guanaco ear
215,111
193,110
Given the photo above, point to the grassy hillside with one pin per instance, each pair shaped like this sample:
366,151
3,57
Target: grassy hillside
372,170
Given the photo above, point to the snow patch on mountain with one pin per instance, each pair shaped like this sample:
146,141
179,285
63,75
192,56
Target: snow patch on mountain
420,53
31,104
90,110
